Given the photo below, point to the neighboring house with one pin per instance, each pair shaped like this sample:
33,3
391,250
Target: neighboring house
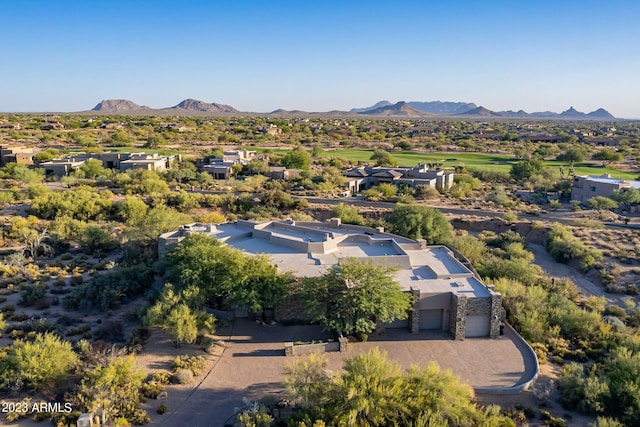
218,168
152,162
61,167
10,126
364,177
52,126
16,154
586,187
448,295
238,156
280,172
541,137
222,168
271,129
119,161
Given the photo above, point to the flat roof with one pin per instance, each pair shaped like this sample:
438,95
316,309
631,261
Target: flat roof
310,249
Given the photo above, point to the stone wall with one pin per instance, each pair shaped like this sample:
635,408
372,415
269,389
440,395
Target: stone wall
496,314
458,316
477,306
414,315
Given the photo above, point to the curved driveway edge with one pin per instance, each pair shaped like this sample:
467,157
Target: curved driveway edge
532,367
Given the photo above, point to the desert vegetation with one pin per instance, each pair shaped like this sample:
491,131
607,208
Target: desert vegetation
81,286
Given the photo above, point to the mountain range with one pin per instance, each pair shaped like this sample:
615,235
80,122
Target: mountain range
123,106
413,109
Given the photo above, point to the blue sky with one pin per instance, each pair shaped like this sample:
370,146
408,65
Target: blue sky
316,56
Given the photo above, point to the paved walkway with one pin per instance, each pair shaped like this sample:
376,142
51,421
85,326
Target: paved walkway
252,365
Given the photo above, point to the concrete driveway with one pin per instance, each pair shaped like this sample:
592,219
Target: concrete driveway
252,365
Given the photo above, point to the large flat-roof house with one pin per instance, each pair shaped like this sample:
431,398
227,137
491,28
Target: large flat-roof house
152,162
586,187
221,168
61,167
448,295
119,161
364,177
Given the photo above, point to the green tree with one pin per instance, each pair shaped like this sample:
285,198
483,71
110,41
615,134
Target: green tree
158,220
571,155
420,222
132,209
120,139
607,155
298,158
601,203
256,167
627,196
354,295
155,141
113,391
180,314
221,273
42,362
373,391
525,169
182,325
93,168
347,214
97,241
383,158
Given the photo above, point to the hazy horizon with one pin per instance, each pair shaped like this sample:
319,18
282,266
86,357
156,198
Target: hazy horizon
67,56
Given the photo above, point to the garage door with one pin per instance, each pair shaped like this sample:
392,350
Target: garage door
477,326
430,319
404,324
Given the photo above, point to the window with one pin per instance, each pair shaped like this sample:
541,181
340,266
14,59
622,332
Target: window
592,189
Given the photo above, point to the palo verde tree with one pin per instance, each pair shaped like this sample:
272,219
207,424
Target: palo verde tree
383,158
420,222
37,364
373,391
225,275
354,295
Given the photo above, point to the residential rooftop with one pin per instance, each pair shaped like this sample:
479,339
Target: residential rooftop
309,249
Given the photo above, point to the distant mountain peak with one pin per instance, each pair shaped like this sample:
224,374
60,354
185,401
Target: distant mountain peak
399,109
117,106
601,113
443,107
204,107
479,111
572,113
375,106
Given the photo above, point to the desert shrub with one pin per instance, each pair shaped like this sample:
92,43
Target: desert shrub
182,376
348,214
79,330
33,293
541,352
617,311
161,377
563,246
36,364
8,309
162,409
107,291
151,390
510,217
76,279
194,363
111,330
